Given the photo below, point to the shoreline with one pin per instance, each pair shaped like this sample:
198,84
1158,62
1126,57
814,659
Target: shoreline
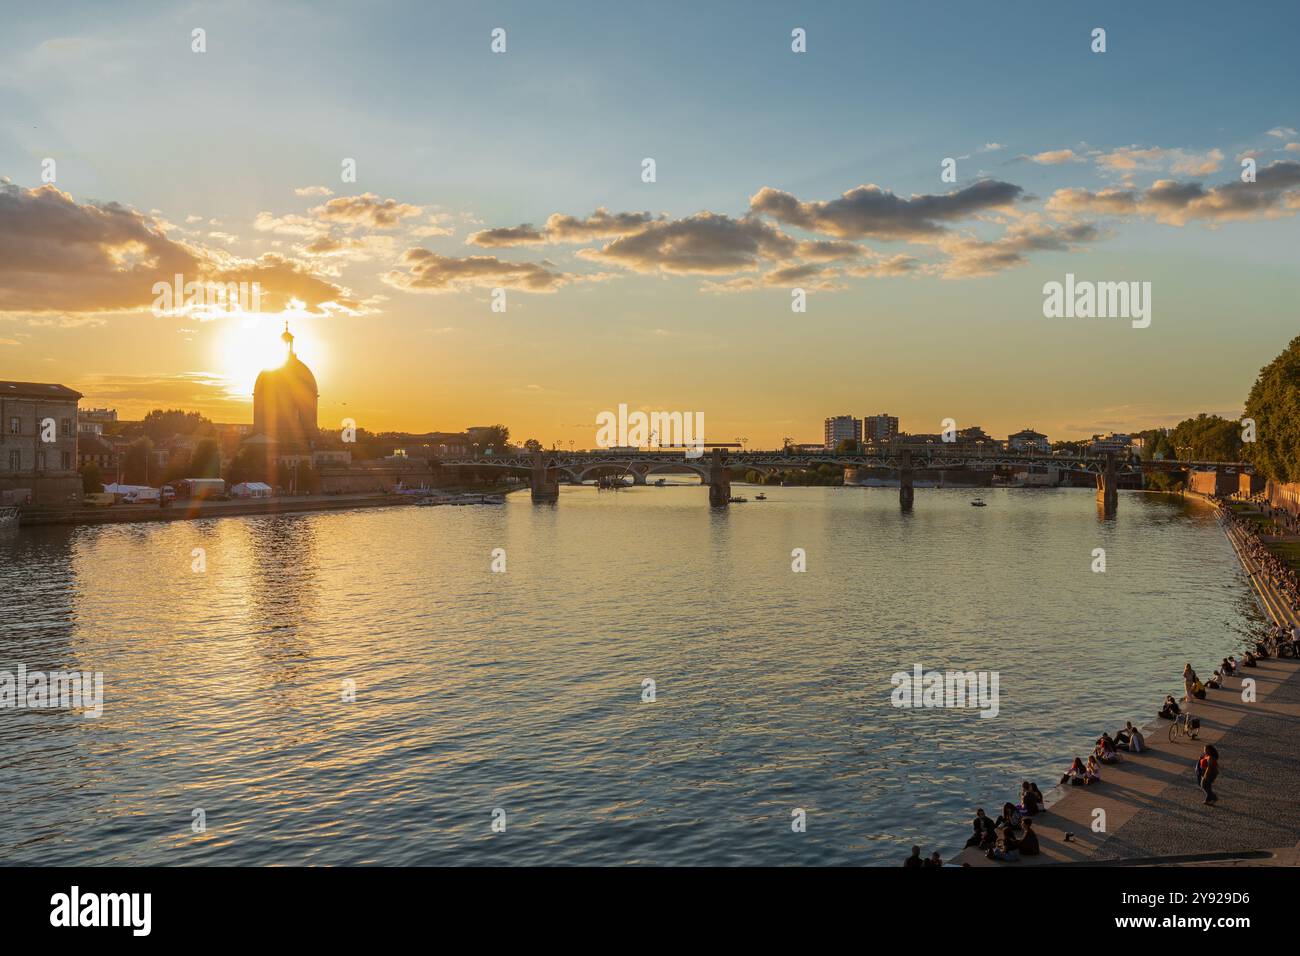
1150,807
197,511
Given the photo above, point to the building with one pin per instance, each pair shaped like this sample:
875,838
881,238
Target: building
91,421
1029,442
841,428
880,427
285,400
38,442
92,449
1114,443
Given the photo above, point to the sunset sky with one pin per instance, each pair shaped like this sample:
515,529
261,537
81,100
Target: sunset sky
775,170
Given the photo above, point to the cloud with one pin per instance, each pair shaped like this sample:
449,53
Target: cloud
313,191
969,256
704,243
872,211
601,224
365,210
206,392
991,147
1126,159
1281,132
58,255
289,225
885,267
1054,157
1275,193
427,271
807,276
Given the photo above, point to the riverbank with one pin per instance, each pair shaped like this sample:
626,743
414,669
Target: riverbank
1148,804
194,510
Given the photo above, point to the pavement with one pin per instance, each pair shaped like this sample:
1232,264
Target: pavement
1147,809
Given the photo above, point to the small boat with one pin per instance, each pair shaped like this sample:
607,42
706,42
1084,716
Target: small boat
760,497
978,503
660,483
737,501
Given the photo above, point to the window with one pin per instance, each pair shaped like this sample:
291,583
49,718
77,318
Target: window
40,461
66,460
15,461
67,426
15,426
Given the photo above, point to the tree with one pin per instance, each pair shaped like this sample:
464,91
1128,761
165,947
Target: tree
206,460
91,482
532,444
135,466
496,437
1207,438
847,446
1274,406
249,464
159,424
178,466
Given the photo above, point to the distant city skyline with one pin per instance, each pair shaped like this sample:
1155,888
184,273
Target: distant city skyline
773,171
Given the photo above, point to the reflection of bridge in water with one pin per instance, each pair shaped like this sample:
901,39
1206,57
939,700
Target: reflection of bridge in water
545,469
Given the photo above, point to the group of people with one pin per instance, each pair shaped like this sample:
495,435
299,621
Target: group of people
1105,751
1285,581
1011,834
916,862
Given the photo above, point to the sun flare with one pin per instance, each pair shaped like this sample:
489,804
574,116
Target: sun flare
251,344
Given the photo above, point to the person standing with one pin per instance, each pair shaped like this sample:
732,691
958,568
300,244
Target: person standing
1207,771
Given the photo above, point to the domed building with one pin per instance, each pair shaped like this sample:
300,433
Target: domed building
284,403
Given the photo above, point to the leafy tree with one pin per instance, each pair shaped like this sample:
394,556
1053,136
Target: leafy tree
532,444
496,437
91,482
846,446
249,464
1274,405
1207,438
178,466
135,466
205,462
159,424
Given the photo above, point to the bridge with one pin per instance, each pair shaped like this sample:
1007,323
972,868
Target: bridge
545,469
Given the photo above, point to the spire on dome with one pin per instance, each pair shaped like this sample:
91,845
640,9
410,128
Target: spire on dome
287,337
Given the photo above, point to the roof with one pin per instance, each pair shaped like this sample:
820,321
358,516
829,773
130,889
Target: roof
38,390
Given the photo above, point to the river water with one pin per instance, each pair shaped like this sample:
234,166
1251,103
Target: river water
522,691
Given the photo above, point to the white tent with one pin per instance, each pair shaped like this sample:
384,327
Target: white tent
251,489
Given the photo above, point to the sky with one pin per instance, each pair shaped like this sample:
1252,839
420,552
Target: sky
774,170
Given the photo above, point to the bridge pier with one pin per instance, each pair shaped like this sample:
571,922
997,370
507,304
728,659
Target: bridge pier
905,490
544,481
719,480
1108,488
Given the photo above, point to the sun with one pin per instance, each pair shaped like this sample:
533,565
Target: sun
251,344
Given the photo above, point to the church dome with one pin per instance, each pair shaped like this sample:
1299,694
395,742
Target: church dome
294,372
285,400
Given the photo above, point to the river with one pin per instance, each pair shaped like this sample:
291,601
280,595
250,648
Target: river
523,691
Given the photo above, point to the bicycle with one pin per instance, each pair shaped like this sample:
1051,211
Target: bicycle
1184,725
